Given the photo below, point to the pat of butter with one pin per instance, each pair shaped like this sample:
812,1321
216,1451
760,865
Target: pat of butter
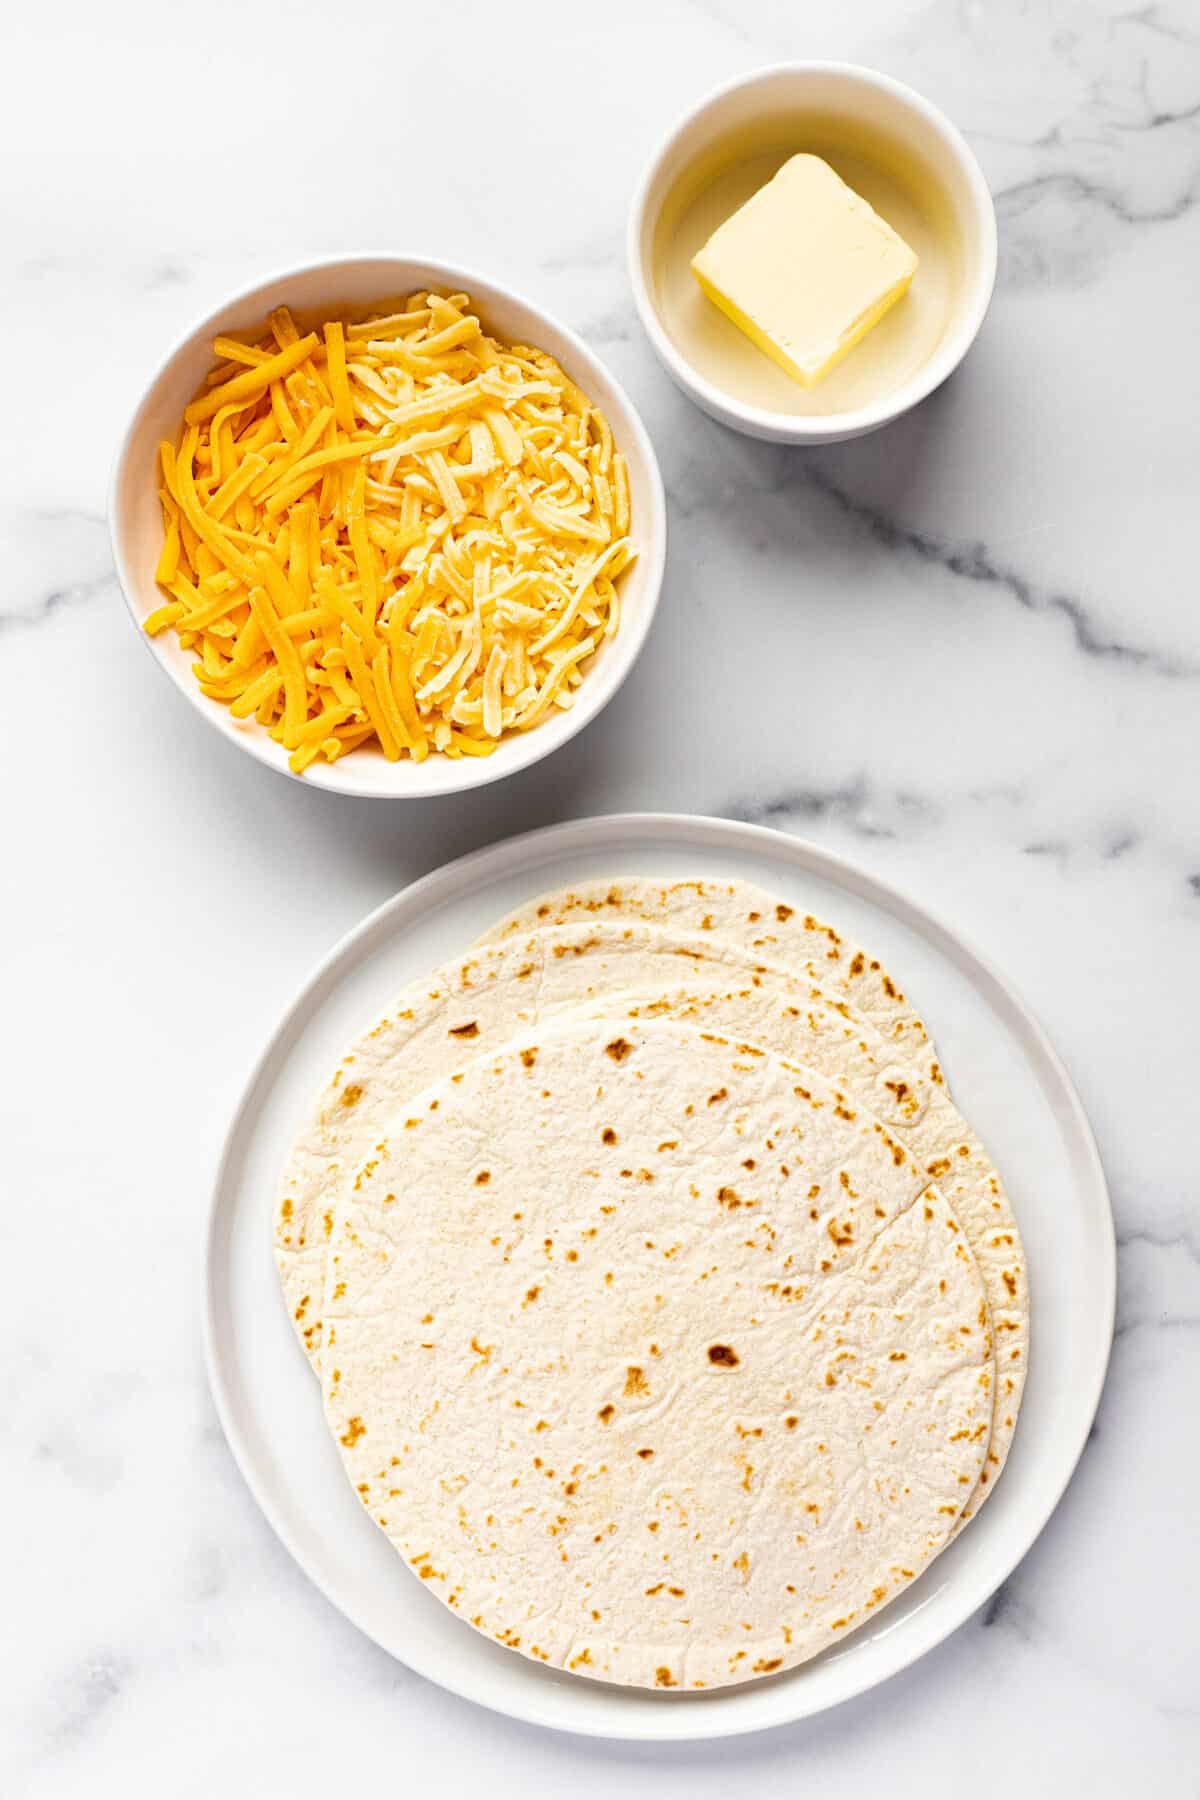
805,268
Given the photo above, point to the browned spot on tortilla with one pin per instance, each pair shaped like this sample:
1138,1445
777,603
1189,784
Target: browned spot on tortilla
721,1094
898,1356
608,1135
286,1209
619,1049
327,1221
354,1430
351,1095
791,1421
1010,1283
645,1455
783,913
635,1381
722,1356
483,1177
529,1056
841,1234
469,1030
531,1295
664,1678
729,1197
857,963
606,1412
764,1666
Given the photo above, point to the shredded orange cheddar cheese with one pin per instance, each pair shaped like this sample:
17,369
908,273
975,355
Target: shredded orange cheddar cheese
394,531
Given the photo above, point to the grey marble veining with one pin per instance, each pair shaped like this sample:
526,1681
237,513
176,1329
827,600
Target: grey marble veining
965,651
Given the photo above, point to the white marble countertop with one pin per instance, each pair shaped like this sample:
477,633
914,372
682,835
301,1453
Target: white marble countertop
965,651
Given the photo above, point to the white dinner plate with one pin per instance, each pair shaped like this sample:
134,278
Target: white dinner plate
1007,1080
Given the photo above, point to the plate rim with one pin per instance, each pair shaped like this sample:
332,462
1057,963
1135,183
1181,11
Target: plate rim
689,1723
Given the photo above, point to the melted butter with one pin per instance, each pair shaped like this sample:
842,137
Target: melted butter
904,194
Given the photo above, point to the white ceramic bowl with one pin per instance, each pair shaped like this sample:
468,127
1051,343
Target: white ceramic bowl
777,107
135,517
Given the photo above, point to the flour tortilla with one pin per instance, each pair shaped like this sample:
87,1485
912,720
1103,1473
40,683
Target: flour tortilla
655,1363
745,915
475,1005
763,924
470,1006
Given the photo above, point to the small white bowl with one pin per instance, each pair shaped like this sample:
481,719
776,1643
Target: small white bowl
355,283
800,106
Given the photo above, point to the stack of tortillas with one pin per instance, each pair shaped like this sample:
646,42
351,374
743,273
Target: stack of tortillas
669,1318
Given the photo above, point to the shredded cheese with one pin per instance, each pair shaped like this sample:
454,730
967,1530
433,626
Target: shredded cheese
392,532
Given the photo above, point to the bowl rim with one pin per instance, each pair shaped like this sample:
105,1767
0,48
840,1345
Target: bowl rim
532,746
798,428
